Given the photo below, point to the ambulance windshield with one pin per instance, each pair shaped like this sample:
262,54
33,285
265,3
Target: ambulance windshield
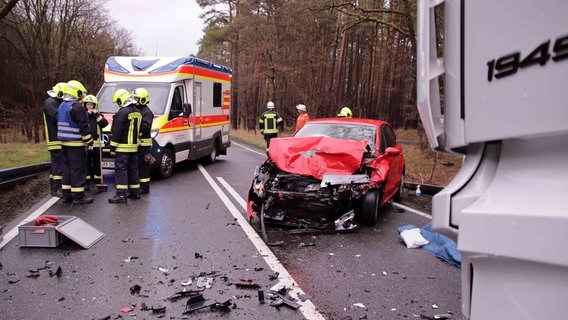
158,93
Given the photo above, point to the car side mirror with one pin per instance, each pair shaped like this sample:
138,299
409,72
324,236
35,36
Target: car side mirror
392,152
186,109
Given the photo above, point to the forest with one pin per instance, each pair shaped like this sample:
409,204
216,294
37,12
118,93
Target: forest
325,54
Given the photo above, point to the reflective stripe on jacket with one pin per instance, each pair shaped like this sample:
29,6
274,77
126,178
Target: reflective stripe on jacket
126,129
269,122
73,125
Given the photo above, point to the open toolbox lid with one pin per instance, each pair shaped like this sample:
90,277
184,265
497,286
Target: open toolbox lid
81,232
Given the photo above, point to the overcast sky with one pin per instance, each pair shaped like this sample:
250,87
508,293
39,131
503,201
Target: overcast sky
160,28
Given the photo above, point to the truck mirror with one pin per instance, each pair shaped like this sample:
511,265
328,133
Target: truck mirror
186,109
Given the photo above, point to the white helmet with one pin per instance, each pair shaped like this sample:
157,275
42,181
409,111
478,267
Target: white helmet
301,107
270,105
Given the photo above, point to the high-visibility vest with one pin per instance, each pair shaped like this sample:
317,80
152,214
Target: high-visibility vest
269,122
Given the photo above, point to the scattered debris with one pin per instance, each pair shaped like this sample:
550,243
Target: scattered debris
135,289
57,273
206,282
274,276
443,316
126,309
163,270
358,304
309,244
434,306
197,302
198,255
159,309
130,258
258,269
181,294
261,296
304,297
126,240
385,273
188,282
246,283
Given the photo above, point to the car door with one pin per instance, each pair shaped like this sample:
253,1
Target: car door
395,162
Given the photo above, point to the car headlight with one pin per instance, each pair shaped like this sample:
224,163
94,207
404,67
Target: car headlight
154,133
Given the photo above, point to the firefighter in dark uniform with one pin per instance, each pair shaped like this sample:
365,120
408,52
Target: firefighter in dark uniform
50,107
269,123
75,136
96,124
124,147
145,158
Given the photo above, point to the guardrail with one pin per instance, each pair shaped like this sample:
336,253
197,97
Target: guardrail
14,176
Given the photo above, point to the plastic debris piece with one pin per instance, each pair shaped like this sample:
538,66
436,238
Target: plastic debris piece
258,269
384,273
304,297
418,191
126,240
163,270
198,255
57,273
261,296
281,285
197,302
188,282
309,244
274,276
358,304
184,293
130,258
443,316
281,300
159,309
135,289
434,306
223,306
126,309
204,282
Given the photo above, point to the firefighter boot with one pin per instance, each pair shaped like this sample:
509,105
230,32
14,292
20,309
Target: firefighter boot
134,195
82,200
144,188
118,198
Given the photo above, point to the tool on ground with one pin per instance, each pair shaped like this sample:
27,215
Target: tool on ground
101,187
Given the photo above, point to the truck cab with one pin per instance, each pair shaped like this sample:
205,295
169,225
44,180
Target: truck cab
190,99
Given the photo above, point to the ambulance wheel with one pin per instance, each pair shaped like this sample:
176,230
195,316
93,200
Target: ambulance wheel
369,208
214,153
166,165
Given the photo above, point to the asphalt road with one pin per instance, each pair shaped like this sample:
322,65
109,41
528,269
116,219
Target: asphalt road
192,225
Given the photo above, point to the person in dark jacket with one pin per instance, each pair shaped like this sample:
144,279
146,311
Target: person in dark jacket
269,123
124,147
50,107
75,136
96,124
145,158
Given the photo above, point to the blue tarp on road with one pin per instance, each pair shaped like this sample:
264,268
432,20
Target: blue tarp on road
439,245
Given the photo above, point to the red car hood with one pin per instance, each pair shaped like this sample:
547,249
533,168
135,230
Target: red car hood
317,155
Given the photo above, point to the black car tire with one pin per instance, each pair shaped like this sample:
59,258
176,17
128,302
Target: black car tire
400,193
369,208
214,153
166,164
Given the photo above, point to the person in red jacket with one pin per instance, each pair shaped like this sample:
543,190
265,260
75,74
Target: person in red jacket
303,116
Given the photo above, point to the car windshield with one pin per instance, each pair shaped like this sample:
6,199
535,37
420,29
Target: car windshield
340,131
158,93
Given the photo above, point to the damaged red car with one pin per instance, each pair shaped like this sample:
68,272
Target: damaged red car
330,174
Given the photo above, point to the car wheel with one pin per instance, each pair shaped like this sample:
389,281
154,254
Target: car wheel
400,193
166,167
369,209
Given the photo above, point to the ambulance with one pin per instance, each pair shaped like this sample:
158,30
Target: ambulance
190,99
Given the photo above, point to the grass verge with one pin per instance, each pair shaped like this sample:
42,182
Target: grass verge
22,154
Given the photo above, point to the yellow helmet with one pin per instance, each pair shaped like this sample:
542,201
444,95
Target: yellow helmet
345,112
142,95
91,98
120,97
59,89
75,89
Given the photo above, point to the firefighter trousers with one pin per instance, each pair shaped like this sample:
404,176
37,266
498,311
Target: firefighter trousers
144,169
267,138
56,173
74,167
94,165
126,173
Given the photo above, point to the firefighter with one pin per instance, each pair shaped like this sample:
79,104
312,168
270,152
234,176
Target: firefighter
303,116
124,147
96,123
50,107
269,123
345,113
75,136
145,158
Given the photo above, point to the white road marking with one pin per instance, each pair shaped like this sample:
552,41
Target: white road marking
249,149
34,215
420,213
234,193
307,307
